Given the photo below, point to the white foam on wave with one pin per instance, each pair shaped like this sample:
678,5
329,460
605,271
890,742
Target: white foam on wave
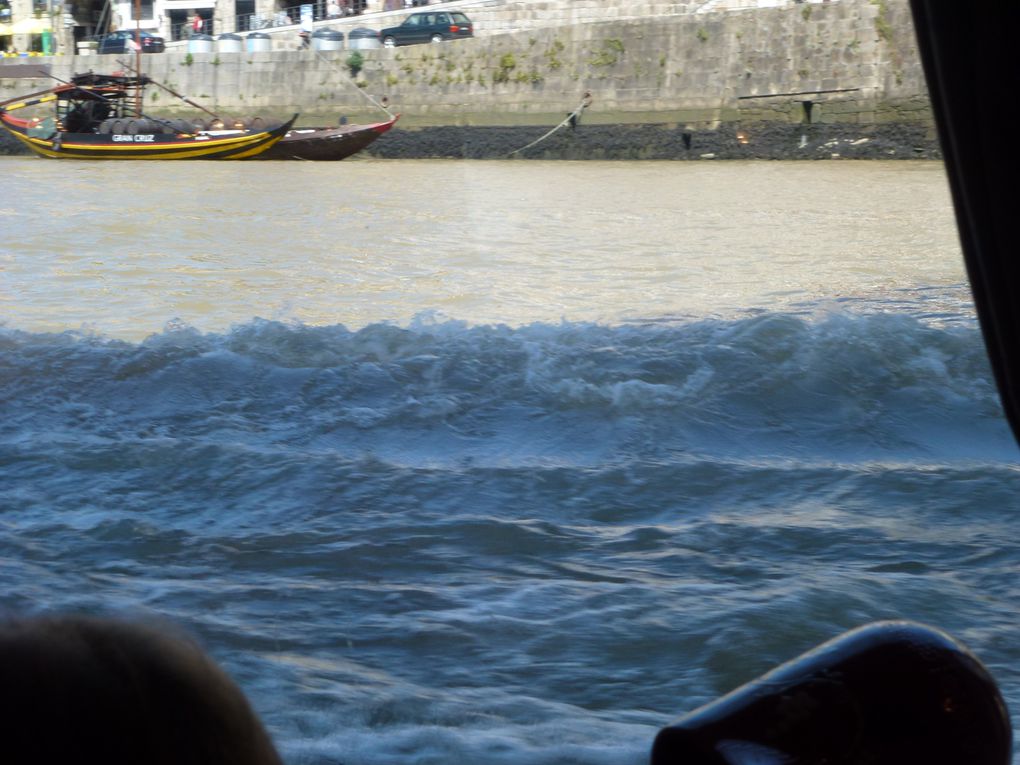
841,386
561,739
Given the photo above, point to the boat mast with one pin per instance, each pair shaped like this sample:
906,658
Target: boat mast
105,19
138,56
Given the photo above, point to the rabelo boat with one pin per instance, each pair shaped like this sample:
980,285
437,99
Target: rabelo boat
99,116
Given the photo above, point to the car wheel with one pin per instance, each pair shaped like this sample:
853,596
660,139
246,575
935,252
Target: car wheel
437,38
389,42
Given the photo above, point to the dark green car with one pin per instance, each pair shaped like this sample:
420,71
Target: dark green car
428,26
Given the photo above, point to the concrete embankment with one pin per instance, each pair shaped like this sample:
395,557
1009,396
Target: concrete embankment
802,80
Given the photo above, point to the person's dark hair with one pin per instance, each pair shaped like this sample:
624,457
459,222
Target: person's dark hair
77,688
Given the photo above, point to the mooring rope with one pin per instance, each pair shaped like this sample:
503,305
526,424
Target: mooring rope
571,119
355,84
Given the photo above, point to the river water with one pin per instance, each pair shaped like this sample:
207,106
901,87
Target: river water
499,462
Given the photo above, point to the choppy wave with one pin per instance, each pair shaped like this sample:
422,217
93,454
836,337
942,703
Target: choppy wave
451,543
841,388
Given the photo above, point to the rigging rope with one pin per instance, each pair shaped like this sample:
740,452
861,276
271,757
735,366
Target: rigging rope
571,119
355,84
174,93
317,53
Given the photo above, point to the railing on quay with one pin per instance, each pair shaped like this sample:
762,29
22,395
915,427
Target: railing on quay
291,16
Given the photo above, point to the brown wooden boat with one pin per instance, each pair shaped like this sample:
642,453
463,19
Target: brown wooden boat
326,143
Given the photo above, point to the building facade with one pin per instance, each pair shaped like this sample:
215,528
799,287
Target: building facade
59,27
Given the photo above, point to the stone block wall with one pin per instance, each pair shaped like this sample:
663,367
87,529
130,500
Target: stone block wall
854,61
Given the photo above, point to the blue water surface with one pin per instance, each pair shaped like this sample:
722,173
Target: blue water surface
443,543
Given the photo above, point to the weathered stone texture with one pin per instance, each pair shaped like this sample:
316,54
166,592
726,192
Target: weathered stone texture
855,61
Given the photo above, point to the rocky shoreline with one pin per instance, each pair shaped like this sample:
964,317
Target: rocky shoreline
775,141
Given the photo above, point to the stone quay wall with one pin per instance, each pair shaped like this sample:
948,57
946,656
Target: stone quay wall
708,79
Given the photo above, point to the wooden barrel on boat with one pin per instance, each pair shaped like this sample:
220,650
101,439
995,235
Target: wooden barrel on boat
141,125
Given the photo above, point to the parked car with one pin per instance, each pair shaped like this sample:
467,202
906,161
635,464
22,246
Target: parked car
123,41
428,26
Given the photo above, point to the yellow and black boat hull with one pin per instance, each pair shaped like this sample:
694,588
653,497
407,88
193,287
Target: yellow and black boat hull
224,144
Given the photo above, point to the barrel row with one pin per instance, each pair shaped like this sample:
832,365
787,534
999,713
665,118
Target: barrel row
145,125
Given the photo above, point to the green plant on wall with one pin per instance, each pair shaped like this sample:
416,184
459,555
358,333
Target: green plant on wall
507,63
882,25
355,63
552,54
533,77
189,60
610,53
701,34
